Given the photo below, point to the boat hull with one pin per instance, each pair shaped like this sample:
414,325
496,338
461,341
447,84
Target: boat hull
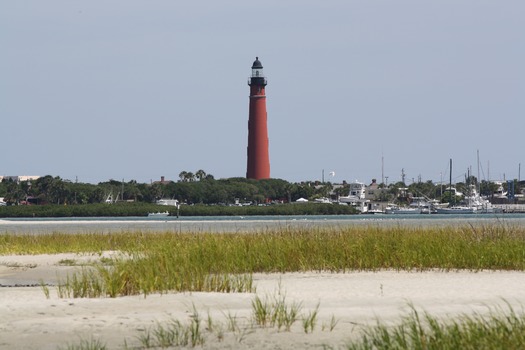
456,210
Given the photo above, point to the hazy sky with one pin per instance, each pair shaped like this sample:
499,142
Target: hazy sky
129,89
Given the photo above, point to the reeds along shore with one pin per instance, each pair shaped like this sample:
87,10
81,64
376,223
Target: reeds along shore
169,262
166,261
501,329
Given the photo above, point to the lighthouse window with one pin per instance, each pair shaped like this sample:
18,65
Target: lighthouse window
257,73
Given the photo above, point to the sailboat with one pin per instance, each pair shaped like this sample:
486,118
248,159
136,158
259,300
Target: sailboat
455,209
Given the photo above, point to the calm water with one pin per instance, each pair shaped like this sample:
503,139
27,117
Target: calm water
244,224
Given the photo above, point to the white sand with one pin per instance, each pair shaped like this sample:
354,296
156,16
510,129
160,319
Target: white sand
30,321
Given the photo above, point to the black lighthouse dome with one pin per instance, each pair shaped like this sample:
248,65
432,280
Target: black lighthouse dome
256,64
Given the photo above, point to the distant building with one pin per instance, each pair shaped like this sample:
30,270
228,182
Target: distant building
162,181
19,178
373,191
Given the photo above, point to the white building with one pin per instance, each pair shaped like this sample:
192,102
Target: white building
20,178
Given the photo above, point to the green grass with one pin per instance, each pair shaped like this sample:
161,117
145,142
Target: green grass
174,333
162,262
166,261
498,329
501,329
86,344
275,312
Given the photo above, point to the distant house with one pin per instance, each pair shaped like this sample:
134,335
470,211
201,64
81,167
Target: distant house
373,191
162,181
20,178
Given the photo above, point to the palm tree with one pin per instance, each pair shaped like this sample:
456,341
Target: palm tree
200,174
183,175
190,177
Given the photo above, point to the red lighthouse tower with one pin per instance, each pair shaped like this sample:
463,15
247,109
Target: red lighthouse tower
258,156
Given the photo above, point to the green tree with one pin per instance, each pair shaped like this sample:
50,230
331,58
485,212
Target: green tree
423,189
132,191
302,190
51,189
14,193
200,174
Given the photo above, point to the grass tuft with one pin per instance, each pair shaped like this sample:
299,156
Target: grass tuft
275,312
499,330
84,344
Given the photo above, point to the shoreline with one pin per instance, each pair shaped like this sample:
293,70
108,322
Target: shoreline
246,224
354,299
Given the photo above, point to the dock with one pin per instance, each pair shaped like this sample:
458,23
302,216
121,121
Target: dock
510,208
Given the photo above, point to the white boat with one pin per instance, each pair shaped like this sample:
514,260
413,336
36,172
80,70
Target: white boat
166,213
323,200
456,210
172,202
473,204
375,211
356,197
480,204
394,209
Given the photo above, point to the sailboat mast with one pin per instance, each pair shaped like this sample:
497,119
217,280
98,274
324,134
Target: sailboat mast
478,187
450,181
382,169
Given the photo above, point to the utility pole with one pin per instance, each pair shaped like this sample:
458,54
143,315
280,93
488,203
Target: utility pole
441,182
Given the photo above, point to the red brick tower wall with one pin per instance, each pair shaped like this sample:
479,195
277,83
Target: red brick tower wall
258,154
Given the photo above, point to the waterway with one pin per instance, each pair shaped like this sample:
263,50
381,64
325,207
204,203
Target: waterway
217,224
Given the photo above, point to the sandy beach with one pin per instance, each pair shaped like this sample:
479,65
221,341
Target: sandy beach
29,320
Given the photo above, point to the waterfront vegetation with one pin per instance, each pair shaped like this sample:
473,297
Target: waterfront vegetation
189,189
205,189
142,209
226,262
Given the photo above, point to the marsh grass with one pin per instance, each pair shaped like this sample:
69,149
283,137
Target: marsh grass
167,261
310,320
175,333
45,288
86,344
500,329
278,314
68,262
274,311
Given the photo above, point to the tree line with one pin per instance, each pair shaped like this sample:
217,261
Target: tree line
203,188
198,188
